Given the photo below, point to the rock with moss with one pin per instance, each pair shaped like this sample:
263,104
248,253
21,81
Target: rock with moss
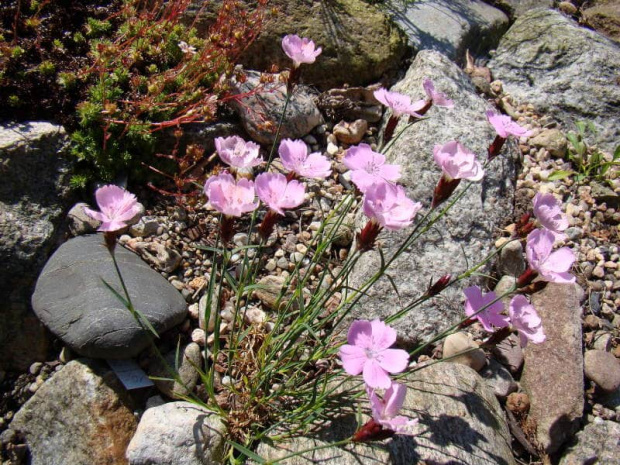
360,43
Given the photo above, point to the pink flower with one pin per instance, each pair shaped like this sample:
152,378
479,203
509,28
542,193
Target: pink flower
389,206
549,213
229,197
385,411
186,48
238,153
300,50
368,352
525,320
399,103
368,167
277,193
294,155
117,207
491,316
457,162
505,126
552,266
438,98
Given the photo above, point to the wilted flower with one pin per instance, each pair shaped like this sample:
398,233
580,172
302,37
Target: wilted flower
491,316
525,320
229,197
117,207
186,48
385,411
278,193
368,352
552,266
388,205
294,156
300,50
549,213
438,98
505,126
399,103
457,162
238,153
368,167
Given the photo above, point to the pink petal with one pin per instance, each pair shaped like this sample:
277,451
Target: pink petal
560,261
95,214
360,334
353,359
393,360
394,399
375,376
382,335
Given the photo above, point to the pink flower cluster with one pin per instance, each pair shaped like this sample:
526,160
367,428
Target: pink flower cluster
368,353
489,311
384,202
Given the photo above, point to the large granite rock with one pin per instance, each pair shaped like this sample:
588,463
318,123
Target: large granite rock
360,44
449,26
553,371
604,16
260,111
516,8
460,421
563,69
72,300
178,433
81,416
34,194
464,236
596,443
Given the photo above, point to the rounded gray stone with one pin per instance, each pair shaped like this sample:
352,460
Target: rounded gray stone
602,368
72,300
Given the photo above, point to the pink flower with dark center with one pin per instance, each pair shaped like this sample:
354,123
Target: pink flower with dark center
399,103
385,410
388,205
229,197
525,320
438,98
300,50
552,266
491,316
294,156
505,126
274,190
368,167
549,213
368,352
238,153
117,207
457,162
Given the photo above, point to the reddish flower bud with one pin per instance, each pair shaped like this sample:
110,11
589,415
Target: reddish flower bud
372,431
366,237
443,190
438,286
526,278
389,129
266,227
227,228
496,147
524,226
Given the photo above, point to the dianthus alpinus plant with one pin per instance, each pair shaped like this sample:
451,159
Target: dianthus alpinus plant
153,74
285,370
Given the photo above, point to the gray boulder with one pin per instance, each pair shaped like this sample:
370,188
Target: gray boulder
460,421
178,433
546,59
82,415
34,194
449,26
553,371
260,112
516,8
596,443
465,235
360,44
72,300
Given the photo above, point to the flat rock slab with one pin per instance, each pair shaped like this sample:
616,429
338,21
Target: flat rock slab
80,416
553,371
72,300
596,443
460,421
567,71
449,26
178,433
465,235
